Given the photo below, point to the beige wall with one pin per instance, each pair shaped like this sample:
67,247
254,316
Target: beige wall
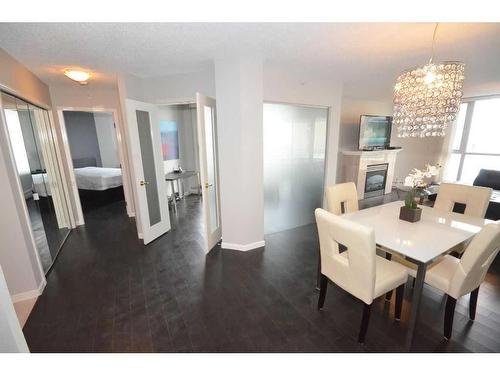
416,152
93,95
17,79
18,255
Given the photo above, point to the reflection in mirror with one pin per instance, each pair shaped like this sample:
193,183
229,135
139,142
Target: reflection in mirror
35,158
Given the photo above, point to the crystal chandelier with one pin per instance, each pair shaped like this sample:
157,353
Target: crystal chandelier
427,98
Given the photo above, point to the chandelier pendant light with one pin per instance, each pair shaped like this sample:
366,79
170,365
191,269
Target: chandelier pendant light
427,98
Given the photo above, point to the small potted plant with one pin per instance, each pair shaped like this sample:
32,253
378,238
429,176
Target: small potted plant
416,181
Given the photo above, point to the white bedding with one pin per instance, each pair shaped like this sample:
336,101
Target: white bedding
95,178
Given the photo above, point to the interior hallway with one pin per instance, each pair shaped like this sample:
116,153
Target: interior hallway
107,292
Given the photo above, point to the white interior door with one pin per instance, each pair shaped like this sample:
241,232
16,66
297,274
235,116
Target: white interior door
145,144
209,168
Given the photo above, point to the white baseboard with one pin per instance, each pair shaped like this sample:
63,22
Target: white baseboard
250,246
30,294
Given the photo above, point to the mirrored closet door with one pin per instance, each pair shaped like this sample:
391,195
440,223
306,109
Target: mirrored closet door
32,143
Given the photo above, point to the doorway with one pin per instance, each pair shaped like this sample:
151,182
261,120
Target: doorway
294,164
32,141
95,159
175,159
179,145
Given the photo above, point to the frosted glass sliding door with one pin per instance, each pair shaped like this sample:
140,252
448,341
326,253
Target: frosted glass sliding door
294,164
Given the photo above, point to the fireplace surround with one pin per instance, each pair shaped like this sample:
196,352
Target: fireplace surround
358,164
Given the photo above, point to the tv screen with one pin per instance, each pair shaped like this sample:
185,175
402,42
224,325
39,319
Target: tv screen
374,132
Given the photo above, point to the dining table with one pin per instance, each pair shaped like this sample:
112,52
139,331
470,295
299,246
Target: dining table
422,243
179,176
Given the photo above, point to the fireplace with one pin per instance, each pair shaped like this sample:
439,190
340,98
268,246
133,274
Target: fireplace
376,178
356,165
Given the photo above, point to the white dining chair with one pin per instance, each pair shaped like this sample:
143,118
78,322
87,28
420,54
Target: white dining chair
342,198
453,197
473,200
458,277
359,271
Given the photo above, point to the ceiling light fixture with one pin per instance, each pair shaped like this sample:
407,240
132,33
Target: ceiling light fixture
427,98
79,76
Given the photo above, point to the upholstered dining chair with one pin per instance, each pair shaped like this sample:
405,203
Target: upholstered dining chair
468,200
458,277
464,199
342,198
359,271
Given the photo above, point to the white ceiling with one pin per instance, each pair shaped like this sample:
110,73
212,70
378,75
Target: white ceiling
366,56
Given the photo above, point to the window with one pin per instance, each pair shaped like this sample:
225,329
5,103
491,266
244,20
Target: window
476,142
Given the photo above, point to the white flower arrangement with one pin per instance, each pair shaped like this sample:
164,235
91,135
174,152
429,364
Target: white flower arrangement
416,180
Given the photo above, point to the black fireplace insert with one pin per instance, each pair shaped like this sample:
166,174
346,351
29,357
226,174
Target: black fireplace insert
376,178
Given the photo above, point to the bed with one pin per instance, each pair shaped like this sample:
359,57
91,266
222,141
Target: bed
87,178
97,178
97,186
41,184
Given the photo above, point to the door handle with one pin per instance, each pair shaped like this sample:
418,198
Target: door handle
207,185
142,183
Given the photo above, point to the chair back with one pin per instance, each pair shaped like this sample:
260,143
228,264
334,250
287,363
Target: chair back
476,260
354,270
475,198
342,198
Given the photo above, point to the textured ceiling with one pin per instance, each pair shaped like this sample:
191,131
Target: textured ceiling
363,55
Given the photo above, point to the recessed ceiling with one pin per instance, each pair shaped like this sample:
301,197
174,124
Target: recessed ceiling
365,56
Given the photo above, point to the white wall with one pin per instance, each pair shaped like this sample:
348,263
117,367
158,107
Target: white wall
18,255
239,87
106,138
178,88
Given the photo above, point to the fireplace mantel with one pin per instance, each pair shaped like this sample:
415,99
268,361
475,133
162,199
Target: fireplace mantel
355,164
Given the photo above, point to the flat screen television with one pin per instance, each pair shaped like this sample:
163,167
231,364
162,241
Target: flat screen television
374,132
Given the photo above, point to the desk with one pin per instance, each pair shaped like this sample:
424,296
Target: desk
420,243
174,176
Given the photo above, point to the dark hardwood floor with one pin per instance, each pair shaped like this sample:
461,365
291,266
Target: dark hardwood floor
109,293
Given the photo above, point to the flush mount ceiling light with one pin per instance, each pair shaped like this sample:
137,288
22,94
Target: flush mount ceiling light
427,98
79,76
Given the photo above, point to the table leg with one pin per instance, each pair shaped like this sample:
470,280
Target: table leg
199,182
388,295
318,275
173,195
180,188
415,303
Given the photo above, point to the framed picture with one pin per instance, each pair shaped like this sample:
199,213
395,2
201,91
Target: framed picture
169,136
